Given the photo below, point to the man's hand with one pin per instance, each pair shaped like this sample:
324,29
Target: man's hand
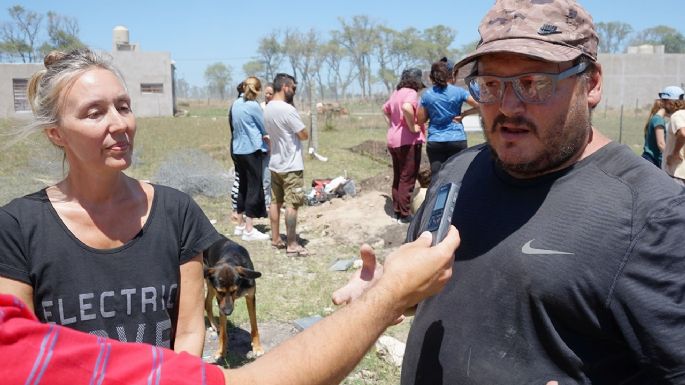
362,279
412,272
416,270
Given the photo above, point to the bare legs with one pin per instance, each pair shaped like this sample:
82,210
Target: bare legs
290,226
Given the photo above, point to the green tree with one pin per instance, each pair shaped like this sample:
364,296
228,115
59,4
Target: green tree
672,40
435,43
63,34
255,68
301,50
218,77
468,48
612,36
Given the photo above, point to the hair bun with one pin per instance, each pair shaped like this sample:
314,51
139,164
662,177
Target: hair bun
53,57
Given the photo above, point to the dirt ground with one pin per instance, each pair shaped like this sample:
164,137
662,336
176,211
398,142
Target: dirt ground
367,217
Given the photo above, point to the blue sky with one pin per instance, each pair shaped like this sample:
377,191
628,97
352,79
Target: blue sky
202,32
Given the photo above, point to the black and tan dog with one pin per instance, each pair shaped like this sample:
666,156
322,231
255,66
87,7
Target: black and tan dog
230,275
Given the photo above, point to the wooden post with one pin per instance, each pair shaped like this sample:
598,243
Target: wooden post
314,122
620,127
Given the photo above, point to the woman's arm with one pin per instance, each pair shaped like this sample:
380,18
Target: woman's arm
659,133
475,110
421,116
473,103
386,116
190,327
409,117
18,289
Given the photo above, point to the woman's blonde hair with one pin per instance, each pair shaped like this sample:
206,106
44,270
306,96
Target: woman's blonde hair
47,86
252,86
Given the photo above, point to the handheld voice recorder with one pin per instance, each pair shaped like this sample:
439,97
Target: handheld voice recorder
441,215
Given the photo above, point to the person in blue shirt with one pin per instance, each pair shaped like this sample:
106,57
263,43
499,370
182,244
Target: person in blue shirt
655,134
249,142
441,106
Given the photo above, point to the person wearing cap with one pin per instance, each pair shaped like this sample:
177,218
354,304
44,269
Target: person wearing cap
674,153
440,106
405,138
571,266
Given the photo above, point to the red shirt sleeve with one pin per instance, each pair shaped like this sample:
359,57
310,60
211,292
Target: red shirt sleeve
37,353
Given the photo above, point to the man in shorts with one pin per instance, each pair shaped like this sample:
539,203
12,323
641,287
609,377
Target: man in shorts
287,131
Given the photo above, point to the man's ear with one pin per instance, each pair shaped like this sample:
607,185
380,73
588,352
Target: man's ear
594,85
55,136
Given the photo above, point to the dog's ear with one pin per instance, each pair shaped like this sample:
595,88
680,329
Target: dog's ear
247,273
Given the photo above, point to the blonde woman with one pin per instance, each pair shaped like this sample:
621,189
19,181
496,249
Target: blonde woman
249,143
99,251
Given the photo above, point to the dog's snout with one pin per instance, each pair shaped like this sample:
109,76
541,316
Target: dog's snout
227,309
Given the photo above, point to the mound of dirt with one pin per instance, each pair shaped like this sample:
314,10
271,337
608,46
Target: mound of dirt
366,218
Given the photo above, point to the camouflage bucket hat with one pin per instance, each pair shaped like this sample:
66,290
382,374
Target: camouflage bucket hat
550,30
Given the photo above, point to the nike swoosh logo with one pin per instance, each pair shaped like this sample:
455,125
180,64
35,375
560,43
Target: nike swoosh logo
530,250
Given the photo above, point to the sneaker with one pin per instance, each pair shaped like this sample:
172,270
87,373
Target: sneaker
239,230
255,235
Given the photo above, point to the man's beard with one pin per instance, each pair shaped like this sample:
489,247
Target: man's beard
566,138
289,97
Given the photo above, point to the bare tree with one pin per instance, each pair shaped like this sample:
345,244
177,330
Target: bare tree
271,53
339,76
19,36
301,51
182,88
358,37
384,50
612,35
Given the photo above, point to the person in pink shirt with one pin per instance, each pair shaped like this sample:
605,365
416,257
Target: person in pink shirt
405,139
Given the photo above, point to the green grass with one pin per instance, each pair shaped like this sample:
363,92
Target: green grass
290,288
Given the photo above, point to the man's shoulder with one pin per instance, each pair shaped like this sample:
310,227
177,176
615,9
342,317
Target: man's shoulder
466,157
678,118
279,105
647,184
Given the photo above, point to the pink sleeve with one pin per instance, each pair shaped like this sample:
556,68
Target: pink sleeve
35,352
411,97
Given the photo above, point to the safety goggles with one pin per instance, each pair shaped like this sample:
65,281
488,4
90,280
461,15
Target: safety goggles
533,88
